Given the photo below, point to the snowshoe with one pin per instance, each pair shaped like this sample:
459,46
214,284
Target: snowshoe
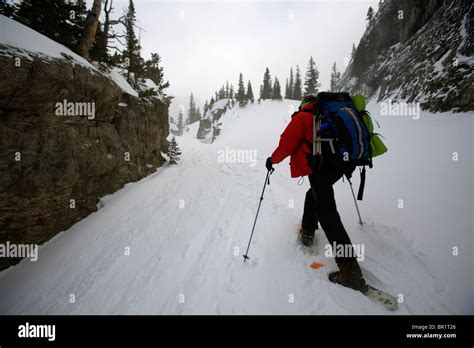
355,284
349,276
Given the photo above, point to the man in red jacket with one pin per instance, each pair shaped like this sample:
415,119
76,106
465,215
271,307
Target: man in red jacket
320,204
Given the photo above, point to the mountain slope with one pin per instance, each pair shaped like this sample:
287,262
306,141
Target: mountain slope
418,51
183,223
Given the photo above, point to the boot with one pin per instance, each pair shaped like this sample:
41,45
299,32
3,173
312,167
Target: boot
306,236
349,275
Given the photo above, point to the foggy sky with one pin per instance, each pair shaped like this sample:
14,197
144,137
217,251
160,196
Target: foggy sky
203,44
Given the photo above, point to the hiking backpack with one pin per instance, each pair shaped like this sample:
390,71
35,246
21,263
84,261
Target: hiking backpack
344,129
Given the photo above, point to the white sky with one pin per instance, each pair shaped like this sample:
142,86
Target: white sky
205,43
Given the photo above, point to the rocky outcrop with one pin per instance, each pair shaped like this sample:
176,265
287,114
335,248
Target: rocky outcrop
418,51
55,168
209,126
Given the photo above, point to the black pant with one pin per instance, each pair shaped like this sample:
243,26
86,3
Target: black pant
321,205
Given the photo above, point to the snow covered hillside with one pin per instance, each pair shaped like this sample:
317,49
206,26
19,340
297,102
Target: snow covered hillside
172,243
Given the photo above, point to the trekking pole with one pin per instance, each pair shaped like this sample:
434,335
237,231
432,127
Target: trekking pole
355,201
267,180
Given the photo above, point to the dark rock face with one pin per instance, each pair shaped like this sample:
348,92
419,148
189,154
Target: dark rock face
48,160
418,50
209,126
205,127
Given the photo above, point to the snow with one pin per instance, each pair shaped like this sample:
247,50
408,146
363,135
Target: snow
173,127
115,74
149,84
26,42
218,105
438,65
187,226
19,36
464,37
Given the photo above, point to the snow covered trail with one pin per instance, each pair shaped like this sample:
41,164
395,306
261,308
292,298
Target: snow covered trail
187,226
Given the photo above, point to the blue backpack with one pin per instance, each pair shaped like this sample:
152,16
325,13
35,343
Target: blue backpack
340,138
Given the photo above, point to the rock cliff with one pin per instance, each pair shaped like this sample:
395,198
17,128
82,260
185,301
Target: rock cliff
55,166
419,51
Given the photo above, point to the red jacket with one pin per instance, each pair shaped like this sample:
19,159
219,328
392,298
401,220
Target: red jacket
292,142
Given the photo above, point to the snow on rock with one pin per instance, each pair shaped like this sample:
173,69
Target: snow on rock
417,59
17,39
149,84
89,161
209,125
188,225
221,104
115,74
30,42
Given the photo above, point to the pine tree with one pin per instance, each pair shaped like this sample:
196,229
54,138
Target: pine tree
227,89
266,90
335,79
221,93
180,123
7,9
231,92
192,111
353,51
249,93
173,151
131,54
206,107
297,92
370,14
154,71
311,80
241,97
60,20
198,114
98,51
276,91
291,86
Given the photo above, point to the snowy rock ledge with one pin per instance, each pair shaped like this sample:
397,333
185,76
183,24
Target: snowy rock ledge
69,135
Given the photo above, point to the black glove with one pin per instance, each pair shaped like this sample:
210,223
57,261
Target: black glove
269,164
